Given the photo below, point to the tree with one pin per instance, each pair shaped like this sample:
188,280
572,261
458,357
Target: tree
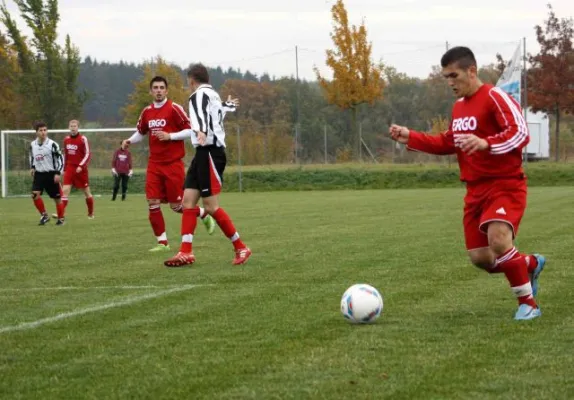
140,97
10,101
264,122
551,78
48,73
356,80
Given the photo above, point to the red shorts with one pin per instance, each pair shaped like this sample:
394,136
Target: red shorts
78,180
165,181
485,202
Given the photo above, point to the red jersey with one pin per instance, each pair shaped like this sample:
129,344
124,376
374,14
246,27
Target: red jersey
76,151
170,118
490,114
122,161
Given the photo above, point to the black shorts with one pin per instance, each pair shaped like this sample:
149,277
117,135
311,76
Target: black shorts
45,181
206,171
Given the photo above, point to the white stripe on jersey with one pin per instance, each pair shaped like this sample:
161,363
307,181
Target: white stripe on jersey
206,113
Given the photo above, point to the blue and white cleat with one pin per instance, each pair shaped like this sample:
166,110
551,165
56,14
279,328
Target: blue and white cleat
526,312
536,273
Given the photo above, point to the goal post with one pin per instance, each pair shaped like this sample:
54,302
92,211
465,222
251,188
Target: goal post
16,179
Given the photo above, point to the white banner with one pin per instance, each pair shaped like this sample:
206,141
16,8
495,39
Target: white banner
511,79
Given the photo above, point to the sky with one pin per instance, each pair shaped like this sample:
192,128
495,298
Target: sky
261,35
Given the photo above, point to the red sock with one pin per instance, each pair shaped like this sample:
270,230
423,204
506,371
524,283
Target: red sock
514,266
60,209
39,203
65,201
90,204
157,223
188,224
227,227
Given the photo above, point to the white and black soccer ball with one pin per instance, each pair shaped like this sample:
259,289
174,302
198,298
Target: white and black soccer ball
361,304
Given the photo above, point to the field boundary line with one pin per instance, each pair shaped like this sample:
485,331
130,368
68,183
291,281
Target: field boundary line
64,288
82,311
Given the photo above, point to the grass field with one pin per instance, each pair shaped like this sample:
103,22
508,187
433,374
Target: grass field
88,313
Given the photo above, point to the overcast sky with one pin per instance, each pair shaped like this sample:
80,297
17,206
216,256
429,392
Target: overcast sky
260,35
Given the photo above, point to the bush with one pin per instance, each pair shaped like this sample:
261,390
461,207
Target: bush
331,177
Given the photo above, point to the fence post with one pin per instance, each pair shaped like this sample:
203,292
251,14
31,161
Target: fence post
239,159
4,170
361,141
325,137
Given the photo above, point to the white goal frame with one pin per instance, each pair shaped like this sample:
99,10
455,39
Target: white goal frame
31,131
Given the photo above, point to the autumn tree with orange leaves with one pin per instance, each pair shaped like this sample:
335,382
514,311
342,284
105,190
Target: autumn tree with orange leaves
551,78
356,79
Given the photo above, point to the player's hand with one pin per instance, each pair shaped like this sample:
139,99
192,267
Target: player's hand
125,144
163,136
130,173
78,170
56,178
472,143
32,171
399,133
114,172
234,101
201,138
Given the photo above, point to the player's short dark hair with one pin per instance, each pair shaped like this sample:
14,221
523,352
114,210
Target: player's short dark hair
39,124
198,72
157,79
462,56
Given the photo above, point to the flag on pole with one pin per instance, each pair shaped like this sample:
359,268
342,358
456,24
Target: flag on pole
511,79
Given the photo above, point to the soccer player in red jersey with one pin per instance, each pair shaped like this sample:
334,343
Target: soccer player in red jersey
76,159
487,132
205,175
165,175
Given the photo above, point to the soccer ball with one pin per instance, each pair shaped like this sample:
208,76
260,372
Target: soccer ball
361,304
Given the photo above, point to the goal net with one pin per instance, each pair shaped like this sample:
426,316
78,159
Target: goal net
16,179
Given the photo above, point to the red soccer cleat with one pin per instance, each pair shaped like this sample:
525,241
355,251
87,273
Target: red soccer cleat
241,256
180,260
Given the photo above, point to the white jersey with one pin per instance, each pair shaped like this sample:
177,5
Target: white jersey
46,156
206,112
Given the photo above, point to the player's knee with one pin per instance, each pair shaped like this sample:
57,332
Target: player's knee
210,208
153,202
177,207
500,238
35,195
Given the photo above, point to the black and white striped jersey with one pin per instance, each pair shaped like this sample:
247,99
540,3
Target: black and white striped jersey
206,112
46,156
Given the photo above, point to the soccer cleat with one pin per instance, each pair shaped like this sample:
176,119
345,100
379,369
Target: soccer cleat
44,220
91,216
526,312
61,221
180,260
536,273
160,247
209,223
241,256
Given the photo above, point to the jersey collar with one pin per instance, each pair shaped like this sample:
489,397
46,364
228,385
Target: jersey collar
160,105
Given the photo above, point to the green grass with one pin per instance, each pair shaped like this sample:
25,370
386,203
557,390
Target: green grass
272,329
